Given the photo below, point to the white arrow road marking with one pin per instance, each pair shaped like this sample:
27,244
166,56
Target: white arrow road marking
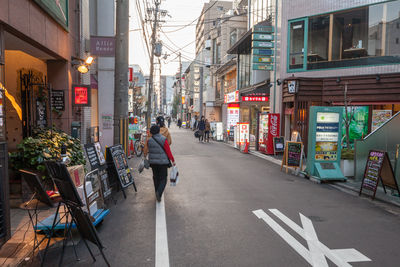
316,253
162,255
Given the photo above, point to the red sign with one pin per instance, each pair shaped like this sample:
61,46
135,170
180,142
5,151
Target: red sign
255,98
131,74
273,131
81,95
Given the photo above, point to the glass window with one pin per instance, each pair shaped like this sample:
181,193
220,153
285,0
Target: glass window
218,56
296,45
233,37
318,39
356,37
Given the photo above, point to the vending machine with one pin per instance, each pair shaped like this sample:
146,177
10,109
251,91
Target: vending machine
269,128
262,131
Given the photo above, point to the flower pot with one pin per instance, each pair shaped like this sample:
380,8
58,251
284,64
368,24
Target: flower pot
347,167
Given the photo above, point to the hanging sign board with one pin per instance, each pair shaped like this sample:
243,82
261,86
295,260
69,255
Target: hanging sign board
261,44
292,87
292,156
261,59
263,52
263,37
378,168
81,95
262,67
263,29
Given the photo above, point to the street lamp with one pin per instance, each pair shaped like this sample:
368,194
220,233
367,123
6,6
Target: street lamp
82,65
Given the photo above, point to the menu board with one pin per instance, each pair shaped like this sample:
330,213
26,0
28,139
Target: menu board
293,155
97,161
57,100
117,160
327,136
279,144
378,168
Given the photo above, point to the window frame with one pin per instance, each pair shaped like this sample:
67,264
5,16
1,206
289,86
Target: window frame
305,45
306,21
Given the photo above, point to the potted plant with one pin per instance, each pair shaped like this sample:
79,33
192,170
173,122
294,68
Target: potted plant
45,144
347,162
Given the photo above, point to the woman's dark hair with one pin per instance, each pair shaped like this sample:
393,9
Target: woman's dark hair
155,129
160,121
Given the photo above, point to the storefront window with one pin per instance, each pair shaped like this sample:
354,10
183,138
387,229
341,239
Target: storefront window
355,37
244,68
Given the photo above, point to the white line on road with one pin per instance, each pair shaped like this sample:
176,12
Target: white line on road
162,254
317,251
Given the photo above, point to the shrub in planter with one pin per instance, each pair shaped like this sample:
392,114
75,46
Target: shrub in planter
45,145
347,153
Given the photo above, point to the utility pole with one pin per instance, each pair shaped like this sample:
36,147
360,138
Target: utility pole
151,78
121,83
180,83
201,90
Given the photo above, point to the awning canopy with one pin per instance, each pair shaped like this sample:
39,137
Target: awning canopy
241,44
260,89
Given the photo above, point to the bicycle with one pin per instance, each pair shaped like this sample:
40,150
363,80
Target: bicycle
138,145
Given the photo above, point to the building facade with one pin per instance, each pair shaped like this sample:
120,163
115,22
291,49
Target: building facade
40,42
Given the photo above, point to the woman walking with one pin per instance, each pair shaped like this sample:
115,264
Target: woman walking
207,131
202,128
160,159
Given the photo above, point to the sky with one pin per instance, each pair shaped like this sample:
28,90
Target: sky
182,12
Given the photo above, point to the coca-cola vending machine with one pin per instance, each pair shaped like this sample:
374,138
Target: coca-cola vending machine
263,131
273,131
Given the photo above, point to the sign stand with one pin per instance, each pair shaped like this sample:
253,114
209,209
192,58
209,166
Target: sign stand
324,147
119,168
378,168
292,156
279,145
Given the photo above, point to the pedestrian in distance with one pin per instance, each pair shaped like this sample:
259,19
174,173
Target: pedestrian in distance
195,123
207,131
179,123
169,122
160,159
201,127
163,130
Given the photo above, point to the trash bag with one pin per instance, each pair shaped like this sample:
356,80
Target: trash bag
174,176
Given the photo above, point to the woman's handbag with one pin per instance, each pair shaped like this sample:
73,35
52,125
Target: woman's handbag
197,134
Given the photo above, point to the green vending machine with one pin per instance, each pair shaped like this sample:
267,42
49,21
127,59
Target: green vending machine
324,147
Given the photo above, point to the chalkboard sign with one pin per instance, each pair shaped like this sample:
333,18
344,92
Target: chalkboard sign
378,168
279,144
92,156
118,162
96,160
57,100
292,156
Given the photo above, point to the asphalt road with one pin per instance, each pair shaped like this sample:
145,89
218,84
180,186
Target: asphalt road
210,219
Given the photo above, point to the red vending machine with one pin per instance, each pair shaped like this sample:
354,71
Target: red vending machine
263,132
273,130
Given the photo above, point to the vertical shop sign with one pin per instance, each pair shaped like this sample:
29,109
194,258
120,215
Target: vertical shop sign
243,133
233,115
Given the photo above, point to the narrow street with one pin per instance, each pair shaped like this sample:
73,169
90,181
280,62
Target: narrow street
210,219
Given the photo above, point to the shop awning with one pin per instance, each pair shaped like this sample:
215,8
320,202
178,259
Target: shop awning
260,89
241,44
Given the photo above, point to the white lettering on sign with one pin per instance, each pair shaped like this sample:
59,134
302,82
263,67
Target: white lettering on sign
317,252
274,125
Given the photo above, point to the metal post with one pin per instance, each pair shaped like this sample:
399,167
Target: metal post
180,83
121,67
201,91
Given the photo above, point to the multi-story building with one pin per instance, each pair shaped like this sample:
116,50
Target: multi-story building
208,32
41,45
329,47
